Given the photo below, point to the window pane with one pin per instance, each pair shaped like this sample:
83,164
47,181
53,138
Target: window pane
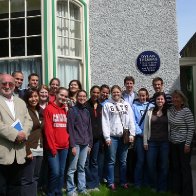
74,12
34,46
68,70
18,47
62,47
62,26
4,32
34,26
17,28
75,29
75,47
62,9
68,29
17,8
4,9
59,45
33,7
27,66
4,45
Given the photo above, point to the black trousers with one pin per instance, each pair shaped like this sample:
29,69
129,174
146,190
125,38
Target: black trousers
131,161
30,176
10,179
181,170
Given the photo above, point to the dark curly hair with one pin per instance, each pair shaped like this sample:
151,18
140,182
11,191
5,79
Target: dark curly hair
28,94
165,106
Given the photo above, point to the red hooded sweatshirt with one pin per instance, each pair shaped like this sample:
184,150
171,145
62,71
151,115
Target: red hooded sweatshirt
55,128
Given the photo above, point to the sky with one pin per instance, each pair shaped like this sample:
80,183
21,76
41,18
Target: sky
186,21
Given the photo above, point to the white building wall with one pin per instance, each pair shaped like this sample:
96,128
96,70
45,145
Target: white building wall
120,30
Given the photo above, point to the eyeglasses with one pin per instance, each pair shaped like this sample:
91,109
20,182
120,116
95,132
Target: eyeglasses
10,84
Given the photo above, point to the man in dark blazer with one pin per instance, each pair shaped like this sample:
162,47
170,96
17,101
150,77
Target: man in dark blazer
18,78
12,147
33,79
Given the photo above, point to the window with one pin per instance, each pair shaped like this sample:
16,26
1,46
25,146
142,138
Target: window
20,22
20,35
69,40
27,66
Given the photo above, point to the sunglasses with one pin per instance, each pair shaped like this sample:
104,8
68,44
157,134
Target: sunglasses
10,84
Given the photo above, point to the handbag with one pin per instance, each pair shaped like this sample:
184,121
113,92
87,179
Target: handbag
126,133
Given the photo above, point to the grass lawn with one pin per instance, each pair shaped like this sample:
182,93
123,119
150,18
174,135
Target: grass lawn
104,191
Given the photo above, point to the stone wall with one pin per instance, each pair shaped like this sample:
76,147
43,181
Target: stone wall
120,30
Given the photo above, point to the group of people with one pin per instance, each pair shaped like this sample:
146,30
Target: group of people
54,136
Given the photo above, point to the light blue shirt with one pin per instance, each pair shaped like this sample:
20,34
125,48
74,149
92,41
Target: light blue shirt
138,110
129,97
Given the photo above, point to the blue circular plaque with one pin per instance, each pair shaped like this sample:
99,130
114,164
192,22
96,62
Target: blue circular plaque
148,62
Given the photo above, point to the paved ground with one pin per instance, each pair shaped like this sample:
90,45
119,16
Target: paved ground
193,163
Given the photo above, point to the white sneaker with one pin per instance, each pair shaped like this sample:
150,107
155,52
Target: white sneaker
86,193
105,180
75,194
72,194
92,190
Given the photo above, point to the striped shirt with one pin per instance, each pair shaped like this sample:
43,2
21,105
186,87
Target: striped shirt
182,125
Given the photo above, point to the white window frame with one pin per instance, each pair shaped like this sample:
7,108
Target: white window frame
81,58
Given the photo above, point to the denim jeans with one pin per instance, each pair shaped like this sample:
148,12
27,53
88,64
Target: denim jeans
140,175
116,148
77,163
182,183
91,167
157,160
56,167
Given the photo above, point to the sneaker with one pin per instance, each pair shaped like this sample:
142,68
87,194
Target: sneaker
125,186
75,194
92,190
72,194
105,180
86,193
112,187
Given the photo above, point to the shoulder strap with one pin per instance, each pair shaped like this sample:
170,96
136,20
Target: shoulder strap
143,116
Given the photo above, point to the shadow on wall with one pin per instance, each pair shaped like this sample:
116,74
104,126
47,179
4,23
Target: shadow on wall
176,85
